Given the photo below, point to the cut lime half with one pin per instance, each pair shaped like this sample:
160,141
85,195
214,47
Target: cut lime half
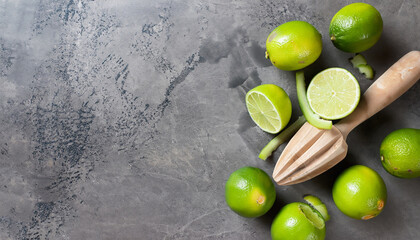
333,93
269,107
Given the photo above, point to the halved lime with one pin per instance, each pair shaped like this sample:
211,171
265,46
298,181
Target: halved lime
269,107
333,93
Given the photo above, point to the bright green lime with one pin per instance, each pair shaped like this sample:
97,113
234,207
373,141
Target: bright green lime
250,192
359,192
356,27
269,107
400,153
293,45
298,221
333,93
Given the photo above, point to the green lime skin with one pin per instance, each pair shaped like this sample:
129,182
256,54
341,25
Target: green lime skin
356,27
360,192
400,153
292,223
250,192
293,45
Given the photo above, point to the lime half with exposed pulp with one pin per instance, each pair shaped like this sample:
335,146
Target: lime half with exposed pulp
333,93
269,107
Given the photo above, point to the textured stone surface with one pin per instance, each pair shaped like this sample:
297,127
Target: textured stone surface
123,119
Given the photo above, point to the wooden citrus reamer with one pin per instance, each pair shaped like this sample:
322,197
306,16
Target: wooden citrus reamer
313,151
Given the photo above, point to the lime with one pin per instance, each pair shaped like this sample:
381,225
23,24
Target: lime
400,153
318,205
356,27
359,192
250,192
333,93
269,107
293,45
298,221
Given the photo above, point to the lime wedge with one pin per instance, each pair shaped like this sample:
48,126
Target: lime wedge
318,205
269,107
333,93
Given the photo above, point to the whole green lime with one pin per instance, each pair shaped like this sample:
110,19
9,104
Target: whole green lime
359,192
400,153
298,221
356,27
250,192
293,45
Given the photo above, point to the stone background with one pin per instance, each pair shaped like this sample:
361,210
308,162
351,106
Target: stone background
123,119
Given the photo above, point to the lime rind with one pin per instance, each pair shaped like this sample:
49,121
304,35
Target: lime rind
318,205
359,62
331,98
366,70
312,215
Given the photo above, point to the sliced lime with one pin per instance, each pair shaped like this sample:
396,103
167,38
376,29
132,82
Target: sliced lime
269,107
333,93
318,205
313,216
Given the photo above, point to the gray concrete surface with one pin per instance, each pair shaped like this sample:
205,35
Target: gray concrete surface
123,119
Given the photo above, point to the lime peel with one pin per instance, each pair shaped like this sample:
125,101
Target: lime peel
284,136
366,70
359,62
318,205
312,215
313,118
